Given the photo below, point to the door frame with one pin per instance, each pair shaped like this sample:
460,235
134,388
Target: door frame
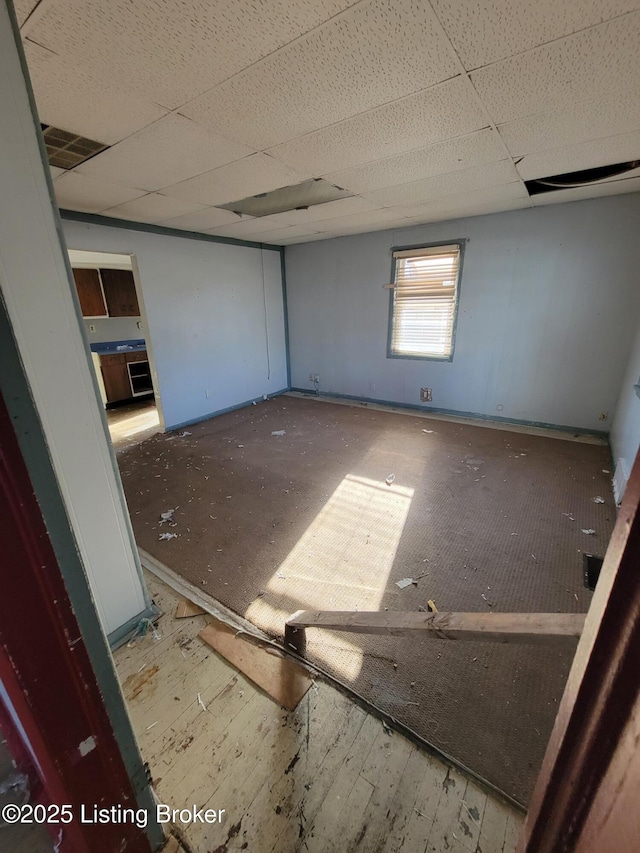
601,699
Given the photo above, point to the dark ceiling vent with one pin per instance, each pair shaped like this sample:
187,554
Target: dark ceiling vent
66,150
295,197
579,179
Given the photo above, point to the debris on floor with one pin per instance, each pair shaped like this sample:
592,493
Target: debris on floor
405,582
142,629
164,536
432,606
186,609
390,479
279,432
201,703
598,499
588,530
167,516
183,434
284,680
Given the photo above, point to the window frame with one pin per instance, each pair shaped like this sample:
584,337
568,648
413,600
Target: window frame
461,244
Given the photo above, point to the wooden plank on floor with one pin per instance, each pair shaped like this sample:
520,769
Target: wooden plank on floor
384,768
445,825
285,681
331,814
557,629
241,780
470,816
493,827
186,609
312,783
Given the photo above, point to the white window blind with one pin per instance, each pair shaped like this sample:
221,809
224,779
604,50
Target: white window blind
425,295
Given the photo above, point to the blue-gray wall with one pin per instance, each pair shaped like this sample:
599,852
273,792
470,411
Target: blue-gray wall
625,432
548,309
214,317
109,329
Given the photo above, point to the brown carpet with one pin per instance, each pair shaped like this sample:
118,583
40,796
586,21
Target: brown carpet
486,519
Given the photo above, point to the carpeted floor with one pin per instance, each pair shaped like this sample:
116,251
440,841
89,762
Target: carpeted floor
483,519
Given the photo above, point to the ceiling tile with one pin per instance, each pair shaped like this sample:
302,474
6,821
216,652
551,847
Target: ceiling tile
593,65
474,149
485,200
406,124
484,31
152,208
291,241
168,151
289,231
56,171
201,220
370,219
628,185
258,173
441,186
587,155
77,192
329,210
71,98
581,122
247,228
390,47
171,52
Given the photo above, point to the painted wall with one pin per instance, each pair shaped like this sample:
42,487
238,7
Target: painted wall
213,316
547,311
625,431
38,293
113,329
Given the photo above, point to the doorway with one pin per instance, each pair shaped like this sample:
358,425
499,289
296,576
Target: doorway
113,315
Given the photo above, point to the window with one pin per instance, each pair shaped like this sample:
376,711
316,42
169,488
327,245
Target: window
424,301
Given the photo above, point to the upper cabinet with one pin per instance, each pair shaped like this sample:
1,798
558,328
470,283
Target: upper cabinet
106,293
90,293
120,293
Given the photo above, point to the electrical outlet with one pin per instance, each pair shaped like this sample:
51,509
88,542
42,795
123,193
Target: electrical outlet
314,377
92,328
425,395
499,407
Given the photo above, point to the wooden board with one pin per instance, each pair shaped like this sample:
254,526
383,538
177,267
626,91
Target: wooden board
537,628
186,609
283,680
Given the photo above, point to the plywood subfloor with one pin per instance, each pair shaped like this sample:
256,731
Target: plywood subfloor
485,520
324,778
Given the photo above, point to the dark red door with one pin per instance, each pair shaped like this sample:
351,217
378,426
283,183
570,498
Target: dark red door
48,679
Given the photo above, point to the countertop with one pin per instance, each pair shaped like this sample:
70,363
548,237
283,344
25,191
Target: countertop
111,347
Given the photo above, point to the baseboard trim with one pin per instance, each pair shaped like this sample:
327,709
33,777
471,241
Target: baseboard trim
566,433
209,415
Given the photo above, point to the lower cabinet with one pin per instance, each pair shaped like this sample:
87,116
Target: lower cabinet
117,376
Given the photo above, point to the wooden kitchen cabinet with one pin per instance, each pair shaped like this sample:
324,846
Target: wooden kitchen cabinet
116,377
121,382
90,293
120,293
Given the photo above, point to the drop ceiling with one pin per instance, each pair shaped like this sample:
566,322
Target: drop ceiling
419,111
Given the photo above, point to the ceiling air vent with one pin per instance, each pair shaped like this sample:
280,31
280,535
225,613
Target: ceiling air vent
66,150
584,178
296,197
